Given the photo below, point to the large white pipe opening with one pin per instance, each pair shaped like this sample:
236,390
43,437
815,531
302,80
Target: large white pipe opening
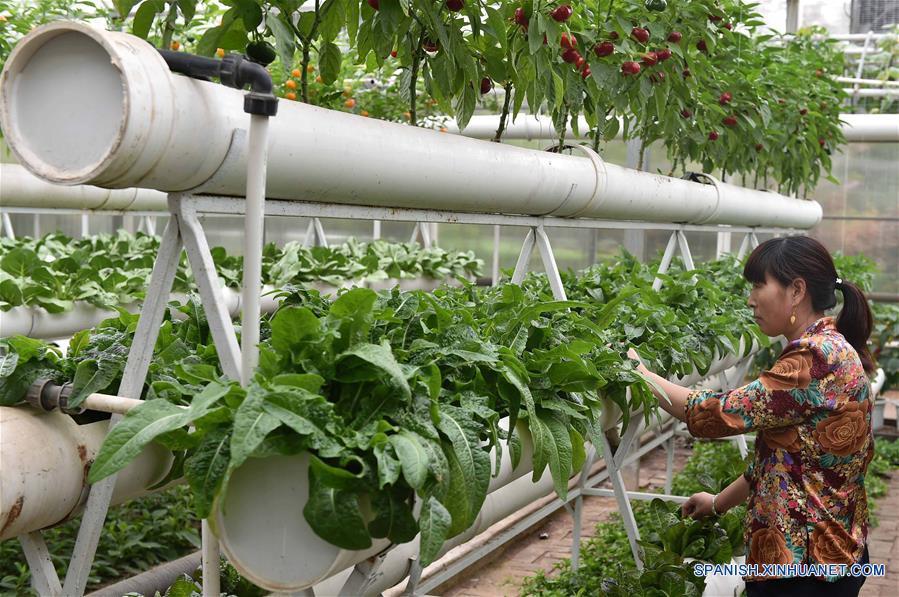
126,120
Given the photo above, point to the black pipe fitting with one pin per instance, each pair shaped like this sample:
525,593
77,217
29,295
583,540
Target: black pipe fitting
47,395
232,71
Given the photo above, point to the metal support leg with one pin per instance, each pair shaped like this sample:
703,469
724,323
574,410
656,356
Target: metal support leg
624,505
132,384
685,253
44,579
363,574
669,464
7,226
577,515
315,234
151,225
666,259
210,561
414,577
527,248
85,225
375,229
203,268
723,244
494,275
549,264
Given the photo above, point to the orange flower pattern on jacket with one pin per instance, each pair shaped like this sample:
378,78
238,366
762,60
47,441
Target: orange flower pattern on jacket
812,412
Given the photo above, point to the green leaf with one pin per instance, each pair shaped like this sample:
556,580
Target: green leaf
393,518
334,515
93,376
285,43
252,423
413,458
329,62
139,427
369,362
435,524
469,467
206,467
143,18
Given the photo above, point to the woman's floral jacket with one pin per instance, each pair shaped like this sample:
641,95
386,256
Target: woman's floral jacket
812,415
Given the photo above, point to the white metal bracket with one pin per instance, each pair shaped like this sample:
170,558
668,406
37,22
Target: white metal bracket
422,233
536,236
315,234
677,240
7,226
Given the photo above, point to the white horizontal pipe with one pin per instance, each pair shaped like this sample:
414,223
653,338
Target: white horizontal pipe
21,188
871,92
856,127
867,81
128,121
46,457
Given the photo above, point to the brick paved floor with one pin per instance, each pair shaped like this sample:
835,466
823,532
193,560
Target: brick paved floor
503,573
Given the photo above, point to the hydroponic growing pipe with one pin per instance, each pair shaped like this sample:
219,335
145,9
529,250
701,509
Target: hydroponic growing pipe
21,188
127,120
856,127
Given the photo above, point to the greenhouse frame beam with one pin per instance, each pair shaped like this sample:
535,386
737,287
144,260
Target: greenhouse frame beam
210,204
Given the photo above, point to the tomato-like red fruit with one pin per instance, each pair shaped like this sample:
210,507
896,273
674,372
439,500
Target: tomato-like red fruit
571,56
630,67
640,34
562,13
604,49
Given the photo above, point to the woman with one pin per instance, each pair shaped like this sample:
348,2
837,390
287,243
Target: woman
812,417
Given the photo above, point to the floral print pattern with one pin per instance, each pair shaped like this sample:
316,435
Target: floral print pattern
812,414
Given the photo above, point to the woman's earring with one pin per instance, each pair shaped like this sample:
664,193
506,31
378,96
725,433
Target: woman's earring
793,317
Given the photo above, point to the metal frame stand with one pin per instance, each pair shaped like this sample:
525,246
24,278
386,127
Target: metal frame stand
315,234
184,230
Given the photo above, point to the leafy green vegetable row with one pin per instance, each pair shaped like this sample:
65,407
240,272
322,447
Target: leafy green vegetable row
111,270
398,396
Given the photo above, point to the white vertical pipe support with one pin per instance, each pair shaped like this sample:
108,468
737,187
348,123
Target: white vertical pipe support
85,225
252,253
119,127
375,229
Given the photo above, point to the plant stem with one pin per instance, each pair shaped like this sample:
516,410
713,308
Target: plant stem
306,43
169,26
507,101
564,127
413,79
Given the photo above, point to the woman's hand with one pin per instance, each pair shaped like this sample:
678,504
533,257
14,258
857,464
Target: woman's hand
699,505
632,354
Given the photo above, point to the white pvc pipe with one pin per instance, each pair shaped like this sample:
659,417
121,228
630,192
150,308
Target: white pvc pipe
252,250
265,536
128,121
877,82
856,127
871,127
871,92
46,457
21,188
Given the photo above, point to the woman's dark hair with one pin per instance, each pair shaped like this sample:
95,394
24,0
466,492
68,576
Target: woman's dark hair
788,258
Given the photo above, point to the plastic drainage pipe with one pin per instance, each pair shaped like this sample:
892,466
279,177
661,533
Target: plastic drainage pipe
129,121
21,188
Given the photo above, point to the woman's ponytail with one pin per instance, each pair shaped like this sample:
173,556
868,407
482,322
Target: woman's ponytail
855,322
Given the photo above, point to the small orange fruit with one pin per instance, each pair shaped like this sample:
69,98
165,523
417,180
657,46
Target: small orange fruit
295,73
220,52
407,115
350,103
290,84
319,79
443,129
310,68
176,45
290,95
363,113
